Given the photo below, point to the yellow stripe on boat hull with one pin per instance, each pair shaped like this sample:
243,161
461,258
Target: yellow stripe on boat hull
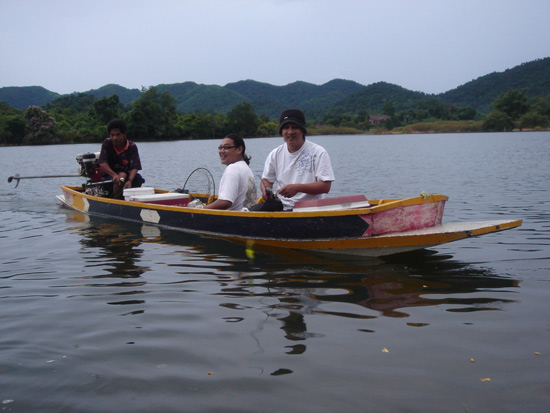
395,243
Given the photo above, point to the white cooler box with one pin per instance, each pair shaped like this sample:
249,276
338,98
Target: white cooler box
144,190
169,198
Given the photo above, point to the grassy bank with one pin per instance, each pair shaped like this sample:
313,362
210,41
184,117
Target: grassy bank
444,126
332,130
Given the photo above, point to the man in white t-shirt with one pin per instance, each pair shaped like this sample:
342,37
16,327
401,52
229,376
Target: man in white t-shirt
300,169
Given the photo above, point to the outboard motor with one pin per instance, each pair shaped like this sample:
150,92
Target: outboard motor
89,166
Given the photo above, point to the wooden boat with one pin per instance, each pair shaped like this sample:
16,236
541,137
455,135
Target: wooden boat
342,225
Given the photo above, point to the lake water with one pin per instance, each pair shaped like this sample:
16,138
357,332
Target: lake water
99,315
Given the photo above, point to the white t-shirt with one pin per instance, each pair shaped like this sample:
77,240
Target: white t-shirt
238,186
309,164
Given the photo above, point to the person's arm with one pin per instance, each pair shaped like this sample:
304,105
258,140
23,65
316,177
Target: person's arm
219,204
314,188
131,176
107,169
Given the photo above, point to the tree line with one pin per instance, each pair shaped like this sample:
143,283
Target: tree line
82,118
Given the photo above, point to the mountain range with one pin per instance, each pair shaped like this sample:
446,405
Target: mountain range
338,95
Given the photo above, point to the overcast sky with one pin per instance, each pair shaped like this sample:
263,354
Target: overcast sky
424,45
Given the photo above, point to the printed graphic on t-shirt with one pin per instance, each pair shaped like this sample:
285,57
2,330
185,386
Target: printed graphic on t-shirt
306,162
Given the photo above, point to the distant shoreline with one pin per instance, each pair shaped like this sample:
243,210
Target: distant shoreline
413,129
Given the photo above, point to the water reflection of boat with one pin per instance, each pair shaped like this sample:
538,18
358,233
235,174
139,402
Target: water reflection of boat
386,286
117,251
343,225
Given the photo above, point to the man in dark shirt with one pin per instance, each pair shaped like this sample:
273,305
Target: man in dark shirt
119,159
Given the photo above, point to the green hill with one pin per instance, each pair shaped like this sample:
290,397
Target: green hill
373,97
25,96
124,95
481,92
272,100
193,97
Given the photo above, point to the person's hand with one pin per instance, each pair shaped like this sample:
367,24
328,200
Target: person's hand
268,194
288,191
195,203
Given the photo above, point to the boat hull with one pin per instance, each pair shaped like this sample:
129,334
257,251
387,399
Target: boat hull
384,228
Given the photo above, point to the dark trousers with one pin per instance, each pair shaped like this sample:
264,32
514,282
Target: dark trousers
137,182
270,205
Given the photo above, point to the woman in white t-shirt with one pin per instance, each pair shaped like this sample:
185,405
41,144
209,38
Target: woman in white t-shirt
237,186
